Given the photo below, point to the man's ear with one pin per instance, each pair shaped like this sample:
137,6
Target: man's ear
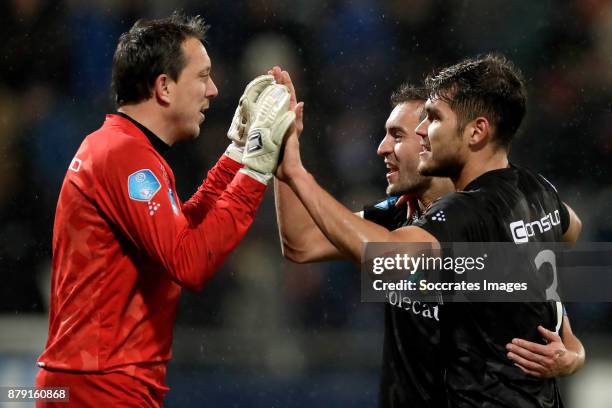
162,89
479,132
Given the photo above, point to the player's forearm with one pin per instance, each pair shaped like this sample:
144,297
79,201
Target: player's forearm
293,219
301,239
574,345
345,230
199,252
216,181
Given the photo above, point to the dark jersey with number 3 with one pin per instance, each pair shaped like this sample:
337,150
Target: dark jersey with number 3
473,336
411,368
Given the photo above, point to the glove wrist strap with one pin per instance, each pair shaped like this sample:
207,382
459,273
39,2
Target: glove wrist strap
234,152
261,177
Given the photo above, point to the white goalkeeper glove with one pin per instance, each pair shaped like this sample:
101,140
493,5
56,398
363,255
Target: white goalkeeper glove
244,115
265,138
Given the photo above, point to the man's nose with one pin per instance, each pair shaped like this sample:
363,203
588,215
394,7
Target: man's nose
421,129
212,90
386,146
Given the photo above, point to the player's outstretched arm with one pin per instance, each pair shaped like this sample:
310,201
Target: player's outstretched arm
559,357
301,240
345,230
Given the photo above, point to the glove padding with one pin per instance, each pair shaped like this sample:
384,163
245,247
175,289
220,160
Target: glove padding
265,138
245,110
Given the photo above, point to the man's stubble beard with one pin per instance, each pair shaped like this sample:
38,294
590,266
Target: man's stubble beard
449,167
413,188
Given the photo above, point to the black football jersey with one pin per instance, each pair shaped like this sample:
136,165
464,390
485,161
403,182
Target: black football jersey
473,336
411,371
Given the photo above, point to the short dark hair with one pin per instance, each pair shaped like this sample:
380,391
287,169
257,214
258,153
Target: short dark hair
488,85
151,48
407,93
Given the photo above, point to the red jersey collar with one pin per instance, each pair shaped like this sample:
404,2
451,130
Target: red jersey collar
121,119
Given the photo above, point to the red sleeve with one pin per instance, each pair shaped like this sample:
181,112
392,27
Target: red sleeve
151,217
215,183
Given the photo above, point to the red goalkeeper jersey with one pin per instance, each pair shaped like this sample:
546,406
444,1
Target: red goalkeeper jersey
124,245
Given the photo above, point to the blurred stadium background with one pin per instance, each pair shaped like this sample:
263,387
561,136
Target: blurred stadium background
265,332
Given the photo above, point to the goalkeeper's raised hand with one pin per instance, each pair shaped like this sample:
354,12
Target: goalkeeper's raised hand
265,137
244,115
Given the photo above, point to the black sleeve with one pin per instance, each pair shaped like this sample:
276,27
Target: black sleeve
565,218
385,213
450,218
563,212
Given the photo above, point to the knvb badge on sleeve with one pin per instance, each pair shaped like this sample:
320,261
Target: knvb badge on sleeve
143,185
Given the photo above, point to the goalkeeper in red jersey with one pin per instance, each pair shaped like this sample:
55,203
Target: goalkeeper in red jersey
123,242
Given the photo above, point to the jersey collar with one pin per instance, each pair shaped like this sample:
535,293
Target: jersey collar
157,143
492,175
